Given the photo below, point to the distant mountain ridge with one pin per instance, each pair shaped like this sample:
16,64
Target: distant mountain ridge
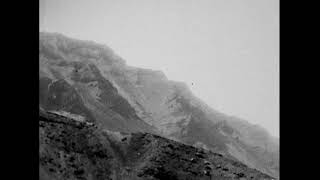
89,79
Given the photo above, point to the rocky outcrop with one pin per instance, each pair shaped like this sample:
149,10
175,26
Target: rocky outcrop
89,79
73,149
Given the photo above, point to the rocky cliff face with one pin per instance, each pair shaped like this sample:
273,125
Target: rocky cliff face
88,79
73,149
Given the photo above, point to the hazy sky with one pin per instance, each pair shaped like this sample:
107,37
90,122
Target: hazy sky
228,49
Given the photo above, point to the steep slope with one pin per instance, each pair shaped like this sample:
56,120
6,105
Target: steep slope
89,79
72,149
256,141
78,87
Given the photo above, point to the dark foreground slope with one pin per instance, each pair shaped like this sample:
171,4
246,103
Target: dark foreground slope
70,149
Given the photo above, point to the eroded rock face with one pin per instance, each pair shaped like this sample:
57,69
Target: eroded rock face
72,149
79,88
88,79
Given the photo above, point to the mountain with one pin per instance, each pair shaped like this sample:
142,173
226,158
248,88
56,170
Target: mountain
77,149
90,80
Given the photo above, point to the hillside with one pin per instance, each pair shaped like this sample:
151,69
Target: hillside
73,149
89,79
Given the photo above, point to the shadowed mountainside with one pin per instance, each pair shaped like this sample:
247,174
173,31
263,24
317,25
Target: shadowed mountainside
72,149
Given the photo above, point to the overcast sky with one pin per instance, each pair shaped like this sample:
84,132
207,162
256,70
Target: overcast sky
228,49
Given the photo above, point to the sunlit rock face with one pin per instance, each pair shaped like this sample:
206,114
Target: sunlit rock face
89,79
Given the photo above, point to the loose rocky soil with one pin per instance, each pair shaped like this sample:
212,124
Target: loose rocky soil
71,149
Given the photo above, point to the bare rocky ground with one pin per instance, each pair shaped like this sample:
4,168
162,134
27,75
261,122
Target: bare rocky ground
71,149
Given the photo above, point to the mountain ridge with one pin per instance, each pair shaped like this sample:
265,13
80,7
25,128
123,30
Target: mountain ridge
98,79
